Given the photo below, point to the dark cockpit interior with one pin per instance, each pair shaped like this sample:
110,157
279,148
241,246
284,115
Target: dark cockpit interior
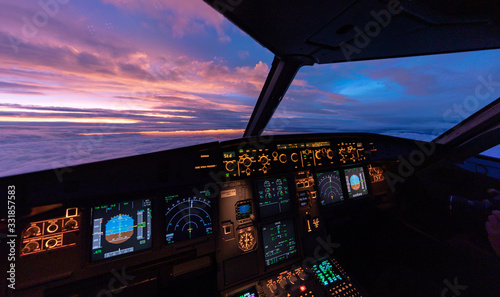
332,214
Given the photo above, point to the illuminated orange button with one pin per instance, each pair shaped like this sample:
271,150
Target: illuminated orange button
302,288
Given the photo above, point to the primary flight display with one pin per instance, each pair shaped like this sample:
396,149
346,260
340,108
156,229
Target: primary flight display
121,228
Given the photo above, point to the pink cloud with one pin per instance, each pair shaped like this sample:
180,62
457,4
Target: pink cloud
66,60
243,54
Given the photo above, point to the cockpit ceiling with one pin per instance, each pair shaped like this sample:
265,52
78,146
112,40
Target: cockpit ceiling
350,30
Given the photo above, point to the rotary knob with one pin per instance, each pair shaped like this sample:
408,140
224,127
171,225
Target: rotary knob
31,231
273,288
303,276
71,224
31,246
264,160
247,162
320,153
283,158
329,154
52,228
294,157
230,165
275,156
284,283
51,243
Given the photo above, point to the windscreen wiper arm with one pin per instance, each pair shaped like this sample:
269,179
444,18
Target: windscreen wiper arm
280,77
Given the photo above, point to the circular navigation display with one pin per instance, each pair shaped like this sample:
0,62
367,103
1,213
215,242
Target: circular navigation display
119,229
187,217
330,187
355,183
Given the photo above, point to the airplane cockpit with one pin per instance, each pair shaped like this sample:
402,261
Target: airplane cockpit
322,214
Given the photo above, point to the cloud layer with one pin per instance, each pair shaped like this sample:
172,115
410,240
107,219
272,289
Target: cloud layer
81,81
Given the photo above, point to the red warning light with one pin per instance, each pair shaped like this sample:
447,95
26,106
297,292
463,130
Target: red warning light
302,288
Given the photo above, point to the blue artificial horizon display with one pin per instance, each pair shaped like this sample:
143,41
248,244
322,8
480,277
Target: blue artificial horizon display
356,182
121,228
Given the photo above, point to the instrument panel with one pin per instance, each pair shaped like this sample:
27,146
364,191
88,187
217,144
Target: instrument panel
258,203
47,235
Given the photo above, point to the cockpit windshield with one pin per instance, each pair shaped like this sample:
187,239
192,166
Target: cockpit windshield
416,97
96,80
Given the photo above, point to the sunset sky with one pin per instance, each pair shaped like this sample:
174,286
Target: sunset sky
82,81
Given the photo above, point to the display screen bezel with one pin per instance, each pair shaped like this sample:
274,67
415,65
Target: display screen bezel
238,206
295,237
289,193
342,186
367,190
92,258
188,191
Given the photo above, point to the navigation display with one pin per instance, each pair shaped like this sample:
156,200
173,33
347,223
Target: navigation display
120,228
279,242
188,215
356,182
330,187
274,196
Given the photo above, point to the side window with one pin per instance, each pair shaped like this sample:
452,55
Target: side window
489,166
493,152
